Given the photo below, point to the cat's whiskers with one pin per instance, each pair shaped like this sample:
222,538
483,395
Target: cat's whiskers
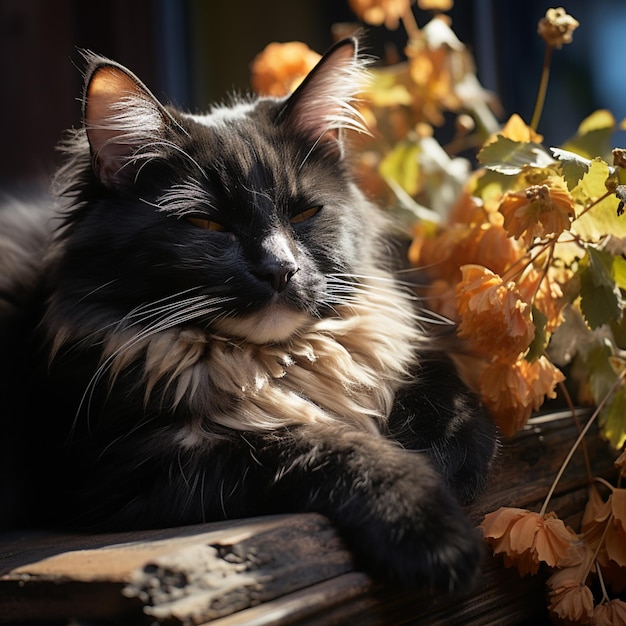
346,289
359,283
99,335
167,316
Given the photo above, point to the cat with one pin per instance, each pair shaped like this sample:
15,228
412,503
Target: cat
207,324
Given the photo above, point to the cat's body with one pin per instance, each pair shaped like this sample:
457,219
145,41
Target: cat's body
212,329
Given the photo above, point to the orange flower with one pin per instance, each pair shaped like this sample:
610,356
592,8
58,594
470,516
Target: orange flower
546,294
538,210
618,507
442,255
468,209
557,27
494,318
527,539
510,392
438,63
611,613
377,12
572,603
576,568
604,521
281,67
439,297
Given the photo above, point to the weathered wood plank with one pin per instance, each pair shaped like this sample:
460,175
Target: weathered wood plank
180,575
283,569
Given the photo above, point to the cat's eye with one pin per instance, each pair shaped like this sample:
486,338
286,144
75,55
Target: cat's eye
305,215
207,224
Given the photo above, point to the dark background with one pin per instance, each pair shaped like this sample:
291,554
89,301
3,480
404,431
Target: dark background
193,52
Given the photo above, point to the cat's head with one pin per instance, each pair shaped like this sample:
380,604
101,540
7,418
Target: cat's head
244,221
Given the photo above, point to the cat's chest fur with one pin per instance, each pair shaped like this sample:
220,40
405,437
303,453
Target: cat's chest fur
345,368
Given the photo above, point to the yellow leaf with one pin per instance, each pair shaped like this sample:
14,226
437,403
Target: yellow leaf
402,166
598,120
387,87
593,136
601,219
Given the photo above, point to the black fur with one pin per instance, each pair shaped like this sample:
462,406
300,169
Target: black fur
83,447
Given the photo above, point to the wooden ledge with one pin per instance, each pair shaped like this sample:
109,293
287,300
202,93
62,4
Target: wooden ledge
288,569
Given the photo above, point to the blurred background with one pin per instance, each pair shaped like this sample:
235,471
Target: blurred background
193,52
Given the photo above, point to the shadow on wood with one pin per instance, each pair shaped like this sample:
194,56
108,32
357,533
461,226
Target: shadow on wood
288,569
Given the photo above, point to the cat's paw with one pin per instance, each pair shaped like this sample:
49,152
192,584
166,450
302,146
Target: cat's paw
425,541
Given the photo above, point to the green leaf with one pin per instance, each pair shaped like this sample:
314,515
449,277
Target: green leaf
507,156
618,328
613,419
619,271
601,219
573,166
402,166
602,376
593,137
600,298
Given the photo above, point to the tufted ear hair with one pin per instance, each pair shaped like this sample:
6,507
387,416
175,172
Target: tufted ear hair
322,107
124,122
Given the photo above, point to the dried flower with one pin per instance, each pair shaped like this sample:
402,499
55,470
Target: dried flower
576,568
528,538
572,603
603,526
557,27
612,613
494,318
377,12
281,67
546,294
538,210
510,391
618,507
619,157
459,244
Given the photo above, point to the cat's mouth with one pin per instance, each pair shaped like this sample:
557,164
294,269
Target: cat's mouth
275,323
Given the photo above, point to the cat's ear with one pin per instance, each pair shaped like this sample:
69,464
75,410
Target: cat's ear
324,104
124,122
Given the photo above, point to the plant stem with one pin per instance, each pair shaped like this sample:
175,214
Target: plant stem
582,434
588,208
605,595
606,483
410,24
543,88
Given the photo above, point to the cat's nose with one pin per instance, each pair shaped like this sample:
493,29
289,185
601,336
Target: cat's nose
277,276
277,264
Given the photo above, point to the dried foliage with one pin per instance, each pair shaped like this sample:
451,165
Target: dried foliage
525,250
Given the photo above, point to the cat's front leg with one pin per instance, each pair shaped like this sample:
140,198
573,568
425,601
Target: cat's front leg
391,506
437,414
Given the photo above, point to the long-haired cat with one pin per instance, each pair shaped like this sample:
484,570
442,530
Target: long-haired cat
207,326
